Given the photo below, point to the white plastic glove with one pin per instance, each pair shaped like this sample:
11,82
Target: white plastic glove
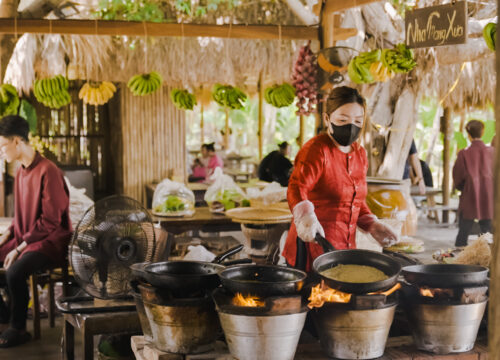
306,222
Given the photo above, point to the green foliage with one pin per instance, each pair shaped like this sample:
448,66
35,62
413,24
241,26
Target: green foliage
141,10
489,131
460,140
28,112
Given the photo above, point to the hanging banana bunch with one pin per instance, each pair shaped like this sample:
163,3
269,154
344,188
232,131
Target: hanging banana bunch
280,95
183,99
52,92
9,100
228,96
97,93
145,84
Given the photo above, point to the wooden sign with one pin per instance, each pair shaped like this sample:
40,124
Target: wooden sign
437,25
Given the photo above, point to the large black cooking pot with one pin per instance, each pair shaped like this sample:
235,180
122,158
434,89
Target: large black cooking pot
262,280
333,257
185,278
445,275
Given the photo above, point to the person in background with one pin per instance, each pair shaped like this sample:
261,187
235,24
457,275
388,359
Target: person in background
211,158
40,232
276,166
413,169
473,176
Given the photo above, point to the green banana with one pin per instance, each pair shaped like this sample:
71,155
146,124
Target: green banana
490,35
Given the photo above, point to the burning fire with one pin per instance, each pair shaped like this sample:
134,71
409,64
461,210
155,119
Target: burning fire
322,293
426,292
249,301
436,292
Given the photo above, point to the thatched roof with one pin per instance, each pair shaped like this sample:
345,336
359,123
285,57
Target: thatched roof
204,61
187,62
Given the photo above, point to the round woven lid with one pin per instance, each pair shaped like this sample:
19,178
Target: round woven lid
259,215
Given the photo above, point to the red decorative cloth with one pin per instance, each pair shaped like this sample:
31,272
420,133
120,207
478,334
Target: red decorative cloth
335,182
473,176
41,214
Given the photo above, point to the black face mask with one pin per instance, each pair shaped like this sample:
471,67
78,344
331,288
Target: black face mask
345,134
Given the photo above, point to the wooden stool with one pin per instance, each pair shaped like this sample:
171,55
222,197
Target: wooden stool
49,277
96,324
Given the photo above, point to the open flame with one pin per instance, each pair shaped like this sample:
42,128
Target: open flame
426,292
249,301
322,293
436,292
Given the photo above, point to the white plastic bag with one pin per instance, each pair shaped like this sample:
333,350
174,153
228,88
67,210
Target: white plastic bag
224,194
270,194
173,199
198,253
79,203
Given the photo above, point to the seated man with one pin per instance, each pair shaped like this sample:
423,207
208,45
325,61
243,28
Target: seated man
40,232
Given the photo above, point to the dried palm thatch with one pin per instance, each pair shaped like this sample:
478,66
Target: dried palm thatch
186,62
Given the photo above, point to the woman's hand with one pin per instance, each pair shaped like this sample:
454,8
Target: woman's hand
10,258
383,234
306,222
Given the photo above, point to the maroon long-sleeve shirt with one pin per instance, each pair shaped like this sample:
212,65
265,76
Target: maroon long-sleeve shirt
41,216
473,176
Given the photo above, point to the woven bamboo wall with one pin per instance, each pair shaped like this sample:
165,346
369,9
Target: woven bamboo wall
154,145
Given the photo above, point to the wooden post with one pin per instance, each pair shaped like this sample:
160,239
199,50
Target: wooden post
226,129
202,125
260,89
447,130
301,130
494,303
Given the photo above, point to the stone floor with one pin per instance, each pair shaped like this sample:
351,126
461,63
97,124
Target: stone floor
48,347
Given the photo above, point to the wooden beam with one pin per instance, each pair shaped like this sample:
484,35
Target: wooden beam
134,28
332,6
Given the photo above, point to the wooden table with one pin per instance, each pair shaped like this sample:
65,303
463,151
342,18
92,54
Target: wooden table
202,219
96,324
430,193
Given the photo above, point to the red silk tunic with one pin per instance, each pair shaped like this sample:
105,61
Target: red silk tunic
335,182
473,176
41,215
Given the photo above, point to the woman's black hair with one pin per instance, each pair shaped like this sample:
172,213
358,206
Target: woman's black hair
283,145
14,125
343,95
209,147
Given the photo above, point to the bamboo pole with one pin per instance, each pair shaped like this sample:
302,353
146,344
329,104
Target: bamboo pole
260,115
332,6
494,303
447,130
202,125
226,129
137,28
301,130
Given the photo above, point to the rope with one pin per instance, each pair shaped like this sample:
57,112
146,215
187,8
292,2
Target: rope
183,56
145,47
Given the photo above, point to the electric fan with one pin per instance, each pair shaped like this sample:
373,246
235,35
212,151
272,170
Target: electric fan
332,63
112,235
